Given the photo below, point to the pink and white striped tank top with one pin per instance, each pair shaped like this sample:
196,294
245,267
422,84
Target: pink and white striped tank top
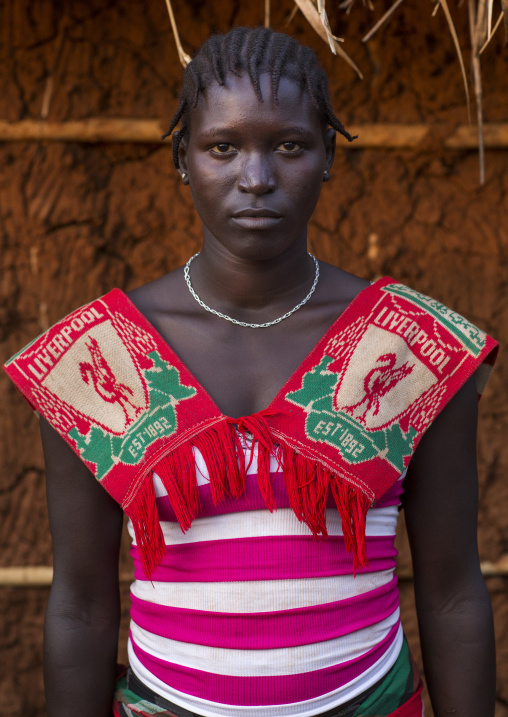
248,614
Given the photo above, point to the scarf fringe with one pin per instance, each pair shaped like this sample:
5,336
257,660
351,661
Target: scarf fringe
145,521
307,482
258,427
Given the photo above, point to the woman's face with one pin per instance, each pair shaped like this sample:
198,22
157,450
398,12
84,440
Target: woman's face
255,168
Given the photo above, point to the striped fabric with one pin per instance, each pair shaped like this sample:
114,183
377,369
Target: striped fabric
248,614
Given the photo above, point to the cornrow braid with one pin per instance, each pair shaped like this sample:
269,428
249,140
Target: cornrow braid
232,48
214,54
278,64
254,51
178,136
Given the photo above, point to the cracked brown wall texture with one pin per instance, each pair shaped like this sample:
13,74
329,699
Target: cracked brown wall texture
76,220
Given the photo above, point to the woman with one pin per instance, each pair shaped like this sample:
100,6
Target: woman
287,409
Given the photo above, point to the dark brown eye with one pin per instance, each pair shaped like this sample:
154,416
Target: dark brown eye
222,148
289,147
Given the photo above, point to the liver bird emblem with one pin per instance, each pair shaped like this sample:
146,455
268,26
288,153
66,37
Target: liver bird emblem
377,383
105,383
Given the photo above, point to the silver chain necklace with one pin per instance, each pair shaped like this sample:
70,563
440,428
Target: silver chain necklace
244,323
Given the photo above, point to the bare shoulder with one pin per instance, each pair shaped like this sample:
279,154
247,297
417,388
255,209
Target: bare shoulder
339,286
157,295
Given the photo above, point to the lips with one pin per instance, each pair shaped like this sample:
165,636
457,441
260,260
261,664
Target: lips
257,218
257,212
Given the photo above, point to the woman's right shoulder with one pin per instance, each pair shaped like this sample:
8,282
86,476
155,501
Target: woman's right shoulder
159,294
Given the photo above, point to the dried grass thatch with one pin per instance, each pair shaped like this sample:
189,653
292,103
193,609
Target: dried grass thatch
481,32
481,27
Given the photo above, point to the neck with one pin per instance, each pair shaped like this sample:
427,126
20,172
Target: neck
250,289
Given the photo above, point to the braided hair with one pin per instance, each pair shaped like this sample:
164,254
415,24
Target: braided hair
254,51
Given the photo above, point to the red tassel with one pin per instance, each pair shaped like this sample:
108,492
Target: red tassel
352,505
207,445
149,538
322,485
235,460
308,483
258,427
307,489
177,472
264,478
223,456
341,494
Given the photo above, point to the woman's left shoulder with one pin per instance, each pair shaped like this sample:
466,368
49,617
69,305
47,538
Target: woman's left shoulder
340,285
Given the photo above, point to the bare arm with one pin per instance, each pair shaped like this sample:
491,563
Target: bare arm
453,606
83,613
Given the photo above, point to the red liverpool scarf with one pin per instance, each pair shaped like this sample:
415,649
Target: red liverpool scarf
348,420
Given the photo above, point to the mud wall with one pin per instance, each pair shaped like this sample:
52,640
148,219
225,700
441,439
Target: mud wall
76,220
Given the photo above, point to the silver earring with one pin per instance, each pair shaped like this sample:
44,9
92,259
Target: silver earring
185,178
326,175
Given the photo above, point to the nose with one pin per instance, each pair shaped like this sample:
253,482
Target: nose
257,175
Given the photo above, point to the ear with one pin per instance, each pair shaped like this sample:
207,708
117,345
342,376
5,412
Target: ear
330,139
182,156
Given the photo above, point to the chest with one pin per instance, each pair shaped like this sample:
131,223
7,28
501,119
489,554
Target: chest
243,369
